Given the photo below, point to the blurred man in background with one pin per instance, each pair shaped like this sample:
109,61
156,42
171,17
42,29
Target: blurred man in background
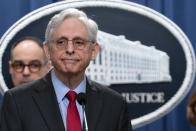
28,61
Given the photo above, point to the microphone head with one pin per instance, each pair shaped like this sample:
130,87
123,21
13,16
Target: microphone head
81,98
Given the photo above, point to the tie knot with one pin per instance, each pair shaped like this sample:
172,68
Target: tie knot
71,95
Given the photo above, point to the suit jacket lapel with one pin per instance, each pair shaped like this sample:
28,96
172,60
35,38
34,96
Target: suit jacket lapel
93,106
47,103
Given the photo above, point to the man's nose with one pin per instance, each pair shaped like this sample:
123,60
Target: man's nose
26,70
70,47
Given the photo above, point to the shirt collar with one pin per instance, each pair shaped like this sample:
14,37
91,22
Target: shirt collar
61,89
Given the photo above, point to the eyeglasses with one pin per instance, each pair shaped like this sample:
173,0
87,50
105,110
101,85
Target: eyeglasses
78,43
33,66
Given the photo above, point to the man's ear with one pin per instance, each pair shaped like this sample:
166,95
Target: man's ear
46,50
49,65
96,50
10,67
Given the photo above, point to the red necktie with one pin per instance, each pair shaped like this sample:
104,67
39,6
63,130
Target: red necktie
73,118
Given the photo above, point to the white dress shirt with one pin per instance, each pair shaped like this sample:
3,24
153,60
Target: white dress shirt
61,90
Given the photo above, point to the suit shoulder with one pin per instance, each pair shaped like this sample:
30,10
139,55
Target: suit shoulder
24,89
107,91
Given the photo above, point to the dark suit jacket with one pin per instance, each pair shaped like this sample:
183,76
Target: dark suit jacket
34,107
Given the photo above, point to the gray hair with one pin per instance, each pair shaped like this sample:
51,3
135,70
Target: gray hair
58,19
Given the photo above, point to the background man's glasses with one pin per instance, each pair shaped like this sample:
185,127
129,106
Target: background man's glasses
78,43
33,66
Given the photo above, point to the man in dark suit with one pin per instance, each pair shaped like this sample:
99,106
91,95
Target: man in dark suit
49,104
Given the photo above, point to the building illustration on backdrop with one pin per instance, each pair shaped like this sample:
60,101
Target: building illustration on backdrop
122,61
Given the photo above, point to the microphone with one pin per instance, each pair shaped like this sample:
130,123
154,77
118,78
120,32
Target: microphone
81,98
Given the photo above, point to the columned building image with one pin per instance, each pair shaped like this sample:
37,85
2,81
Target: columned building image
122,61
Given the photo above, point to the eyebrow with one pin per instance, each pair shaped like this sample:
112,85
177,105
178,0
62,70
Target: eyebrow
28,62
63,37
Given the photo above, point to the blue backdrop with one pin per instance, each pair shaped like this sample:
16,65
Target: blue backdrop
182,12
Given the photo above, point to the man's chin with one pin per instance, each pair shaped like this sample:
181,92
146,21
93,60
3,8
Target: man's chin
25,82
70,70
70,73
